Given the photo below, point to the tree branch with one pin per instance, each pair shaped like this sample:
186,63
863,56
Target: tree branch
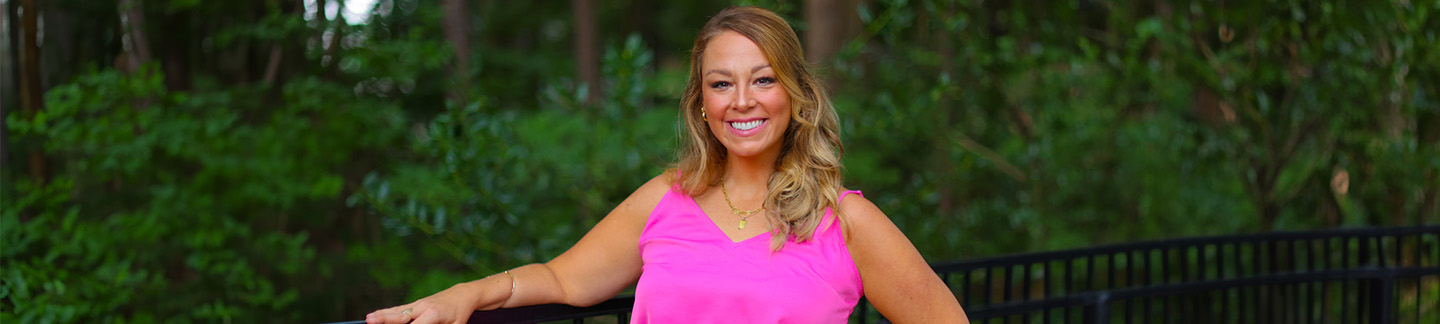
988,154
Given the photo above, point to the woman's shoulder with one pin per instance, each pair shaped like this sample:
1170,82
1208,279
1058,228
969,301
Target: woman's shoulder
644,199
859,213
660,184
854,204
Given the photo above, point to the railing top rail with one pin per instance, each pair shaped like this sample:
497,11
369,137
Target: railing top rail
1036,257
553,312
545,313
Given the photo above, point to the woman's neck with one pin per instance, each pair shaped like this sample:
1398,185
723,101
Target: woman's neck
750,174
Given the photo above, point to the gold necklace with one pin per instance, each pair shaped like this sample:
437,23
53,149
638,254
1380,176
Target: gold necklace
743,214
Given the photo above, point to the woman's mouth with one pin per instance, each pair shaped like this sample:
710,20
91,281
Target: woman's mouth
748,127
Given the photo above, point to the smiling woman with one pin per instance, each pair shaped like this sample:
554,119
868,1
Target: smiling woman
748,72
759,128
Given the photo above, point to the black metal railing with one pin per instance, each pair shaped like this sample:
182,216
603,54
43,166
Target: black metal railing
1368,275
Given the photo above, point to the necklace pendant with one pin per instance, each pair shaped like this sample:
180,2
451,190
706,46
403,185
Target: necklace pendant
742,224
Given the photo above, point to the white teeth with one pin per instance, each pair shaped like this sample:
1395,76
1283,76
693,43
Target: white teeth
747,125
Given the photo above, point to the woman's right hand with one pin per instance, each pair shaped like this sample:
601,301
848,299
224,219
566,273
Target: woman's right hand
450,306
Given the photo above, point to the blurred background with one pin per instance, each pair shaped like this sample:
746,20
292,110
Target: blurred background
311,160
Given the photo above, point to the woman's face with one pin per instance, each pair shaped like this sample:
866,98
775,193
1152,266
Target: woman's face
746,107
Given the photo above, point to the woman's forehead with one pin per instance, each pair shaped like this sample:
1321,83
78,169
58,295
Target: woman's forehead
731,50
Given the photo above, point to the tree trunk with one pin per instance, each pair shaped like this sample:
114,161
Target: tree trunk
457,33
587,57
31,94
945,188
1262,191
277,48
8,84
136,44
1430,200
829,24
176,43
272,67
1428,133
67,46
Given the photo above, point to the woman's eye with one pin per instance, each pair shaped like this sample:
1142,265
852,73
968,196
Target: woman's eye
765,80
719,84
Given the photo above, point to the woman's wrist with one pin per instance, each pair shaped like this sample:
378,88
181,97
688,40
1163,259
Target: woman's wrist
493,291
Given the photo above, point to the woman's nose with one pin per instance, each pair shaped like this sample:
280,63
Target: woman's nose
745,99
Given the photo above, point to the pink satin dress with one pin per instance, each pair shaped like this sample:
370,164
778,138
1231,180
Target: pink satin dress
693,273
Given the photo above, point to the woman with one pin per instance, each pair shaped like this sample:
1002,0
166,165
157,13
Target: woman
761,164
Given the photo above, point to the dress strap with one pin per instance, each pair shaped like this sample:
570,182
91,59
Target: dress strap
830,220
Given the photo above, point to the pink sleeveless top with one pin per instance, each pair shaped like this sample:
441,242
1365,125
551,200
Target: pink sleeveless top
693,273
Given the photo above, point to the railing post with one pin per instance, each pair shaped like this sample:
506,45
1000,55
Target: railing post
1382,299
1098,310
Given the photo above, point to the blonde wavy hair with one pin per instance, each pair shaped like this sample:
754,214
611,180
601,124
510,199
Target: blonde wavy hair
808,177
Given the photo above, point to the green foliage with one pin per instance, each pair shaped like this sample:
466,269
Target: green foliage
1094,122
497,188
169,210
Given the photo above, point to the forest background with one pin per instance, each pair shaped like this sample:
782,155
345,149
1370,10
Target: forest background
308,161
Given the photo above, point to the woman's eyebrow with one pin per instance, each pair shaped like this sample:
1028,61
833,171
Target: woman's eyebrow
757,68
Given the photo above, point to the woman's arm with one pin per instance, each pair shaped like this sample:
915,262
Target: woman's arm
607,259
600,265
897,280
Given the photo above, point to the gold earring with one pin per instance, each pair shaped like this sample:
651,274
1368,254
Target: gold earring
702,114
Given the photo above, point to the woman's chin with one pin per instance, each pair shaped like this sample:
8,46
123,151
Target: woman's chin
749,151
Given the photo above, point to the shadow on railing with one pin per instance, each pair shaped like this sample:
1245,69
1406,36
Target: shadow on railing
1367,275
